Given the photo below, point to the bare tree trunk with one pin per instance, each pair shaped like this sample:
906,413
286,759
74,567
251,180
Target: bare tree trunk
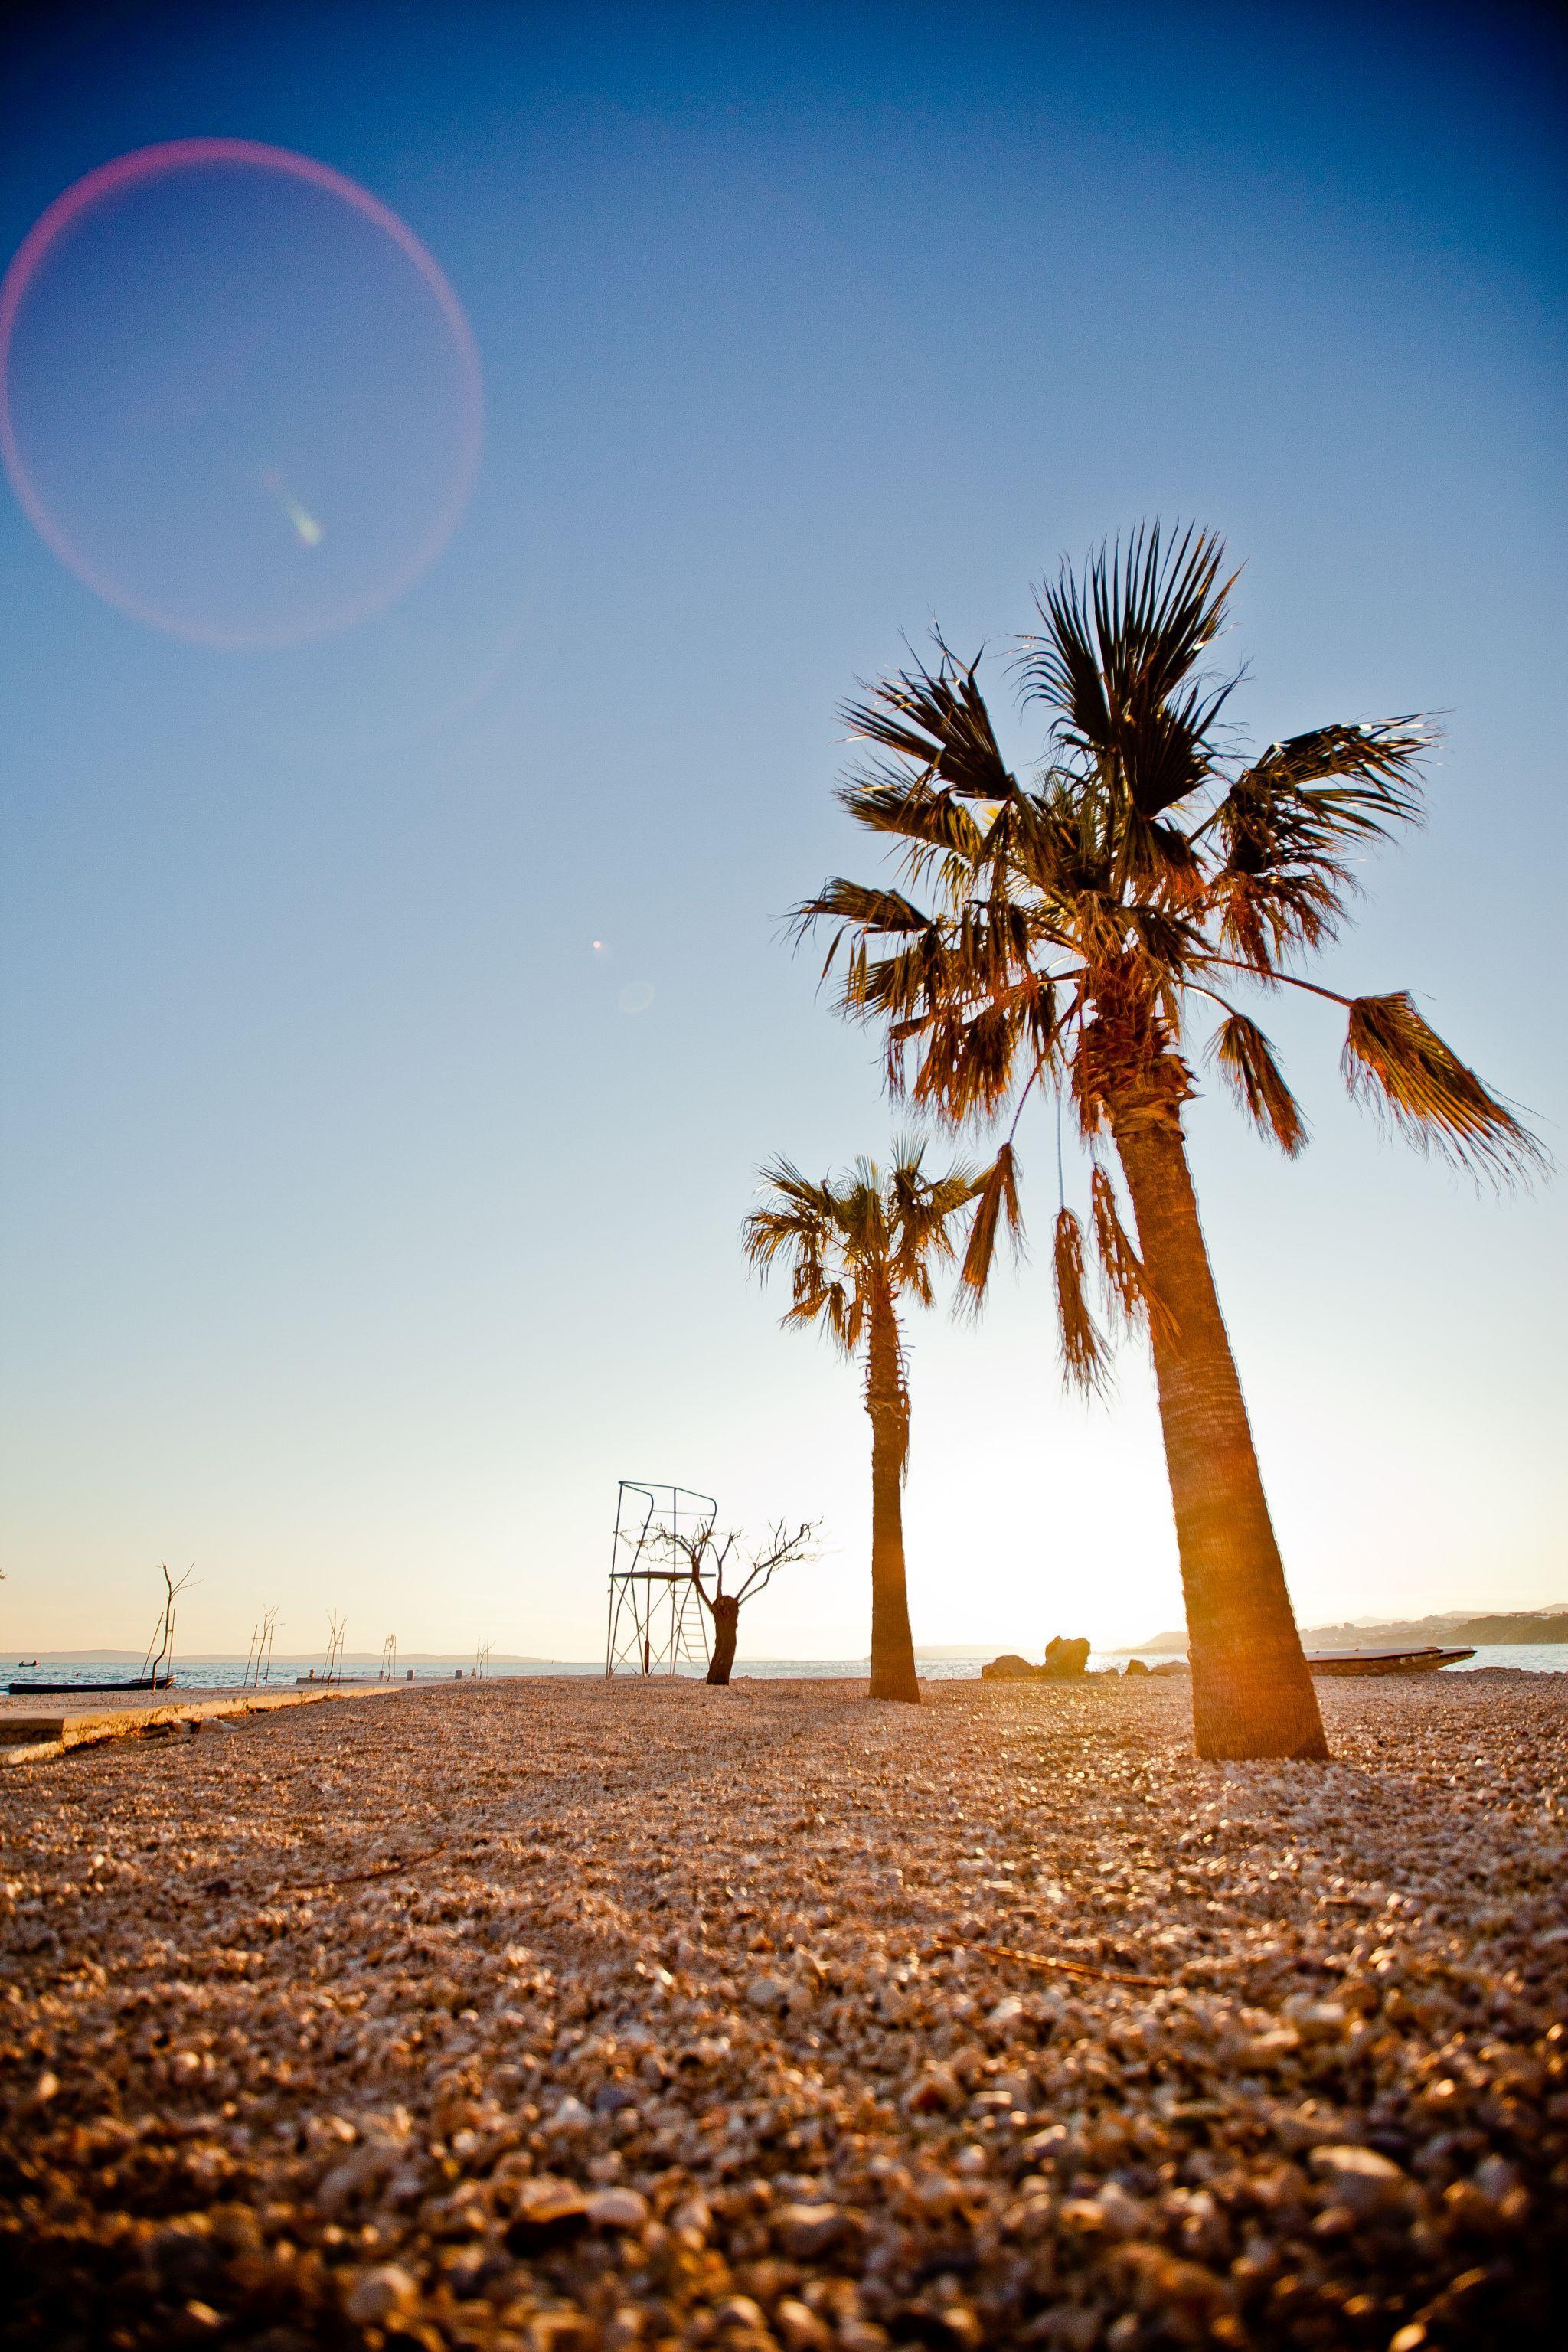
892,1647
726,1625
1252,1692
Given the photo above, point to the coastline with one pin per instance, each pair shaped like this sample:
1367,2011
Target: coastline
204,1675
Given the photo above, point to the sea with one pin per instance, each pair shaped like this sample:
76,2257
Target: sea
230,1673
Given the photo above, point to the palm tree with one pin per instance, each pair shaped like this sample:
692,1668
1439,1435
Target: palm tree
858,1246
1078,924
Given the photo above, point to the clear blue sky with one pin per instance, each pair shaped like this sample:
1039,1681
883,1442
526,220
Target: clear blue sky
355,1239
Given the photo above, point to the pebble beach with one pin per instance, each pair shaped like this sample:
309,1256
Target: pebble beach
554,2016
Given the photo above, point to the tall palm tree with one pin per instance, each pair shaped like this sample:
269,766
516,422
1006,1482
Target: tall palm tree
1077,924
858,1246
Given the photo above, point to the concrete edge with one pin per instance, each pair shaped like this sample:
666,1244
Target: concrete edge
92,1726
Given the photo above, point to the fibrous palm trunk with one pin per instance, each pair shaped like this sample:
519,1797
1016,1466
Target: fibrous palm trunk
1252,1692
892,1646
726,1625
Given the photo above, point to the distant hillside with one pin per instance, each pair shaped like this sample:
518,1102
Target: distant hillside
1517,1625
1513,1626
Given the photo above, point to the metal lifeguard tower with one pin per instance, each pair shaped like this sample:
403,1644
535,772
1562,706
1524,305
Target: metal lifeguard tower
658,1624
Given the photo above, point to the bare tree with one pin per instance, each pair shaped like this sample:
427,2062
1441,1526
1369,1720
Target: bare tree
158,1665
259,1659
707,1556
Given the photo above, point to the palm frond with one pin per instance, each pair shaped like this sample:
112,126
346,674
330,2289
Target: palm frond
966,1063
995,1196
1394,1061
1283,881
857,911
937,721
1381,760
1085,1361
1126,1286
1115,658
934,827
1247,1064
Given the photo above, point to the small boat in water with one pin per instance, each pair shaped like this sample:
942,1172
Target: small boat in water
1385,1662
61,1690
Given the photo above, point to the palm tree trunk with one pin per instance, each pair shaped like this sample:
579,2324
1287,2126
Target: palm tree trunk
1252,1693
892,1646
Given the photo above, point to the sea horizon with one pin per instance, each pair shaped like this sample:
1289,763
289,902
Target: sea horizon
230,1673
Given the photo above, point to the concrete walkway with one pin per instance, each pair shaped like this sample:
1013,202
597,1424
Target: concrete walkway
35,1726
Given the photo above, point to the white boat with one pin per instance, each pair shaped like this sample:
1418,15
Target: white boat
1424,1661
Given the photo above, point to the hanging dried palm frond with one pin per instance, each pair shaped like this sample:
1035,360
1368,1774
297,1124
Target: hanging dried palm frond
1248,1065
1125,1287
1394,1062
1085,1362
996,1197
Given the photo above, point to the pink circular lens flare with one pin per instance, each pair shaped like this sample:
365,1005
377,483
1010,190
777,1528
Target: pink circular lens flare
239,398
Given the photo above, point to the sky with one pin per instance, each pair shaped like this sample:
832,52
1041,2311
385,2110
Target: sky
396,1006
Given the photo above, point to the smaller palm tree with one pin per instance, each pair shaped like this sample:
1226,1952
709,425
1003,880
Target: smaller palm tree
858,1244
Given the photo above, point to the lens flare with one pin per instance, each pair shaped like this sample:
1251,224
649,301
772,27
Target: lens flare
306,525
239,398
637,996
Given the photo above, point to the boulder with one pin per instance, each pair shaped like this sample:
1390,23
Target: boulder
1064,1657
1009,1668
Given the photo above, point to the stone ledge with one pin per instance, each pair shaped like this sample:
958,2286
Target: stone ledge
26,1738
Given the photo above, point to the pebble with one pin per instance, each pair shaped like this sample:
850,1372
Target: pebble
807,2231
380,2295
657,2033
1359,2177
619,2209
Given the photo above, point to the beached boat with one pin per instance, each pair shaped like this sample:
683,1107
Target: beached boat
1424,1661
59,1690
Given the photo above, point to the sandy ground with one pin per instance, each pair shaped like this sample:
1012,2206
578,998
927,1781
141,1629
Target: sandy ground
556,2017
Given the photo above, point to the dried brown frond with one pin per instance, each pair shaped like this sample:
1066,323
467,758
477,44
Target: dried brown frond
965,1069
1126,1286
1394,1061
996,1197
857,911
1247,1064
1085,1361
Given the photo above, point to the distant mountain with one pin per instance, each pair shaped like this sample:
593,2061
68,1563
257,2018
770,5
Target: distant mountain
1510,1626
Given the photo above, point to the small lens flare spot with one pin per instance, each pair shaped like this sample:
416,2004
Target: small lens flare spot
637,996
306,527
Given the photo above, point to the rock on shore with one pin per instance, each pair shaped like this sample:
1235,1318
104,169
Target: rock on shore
552,2015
